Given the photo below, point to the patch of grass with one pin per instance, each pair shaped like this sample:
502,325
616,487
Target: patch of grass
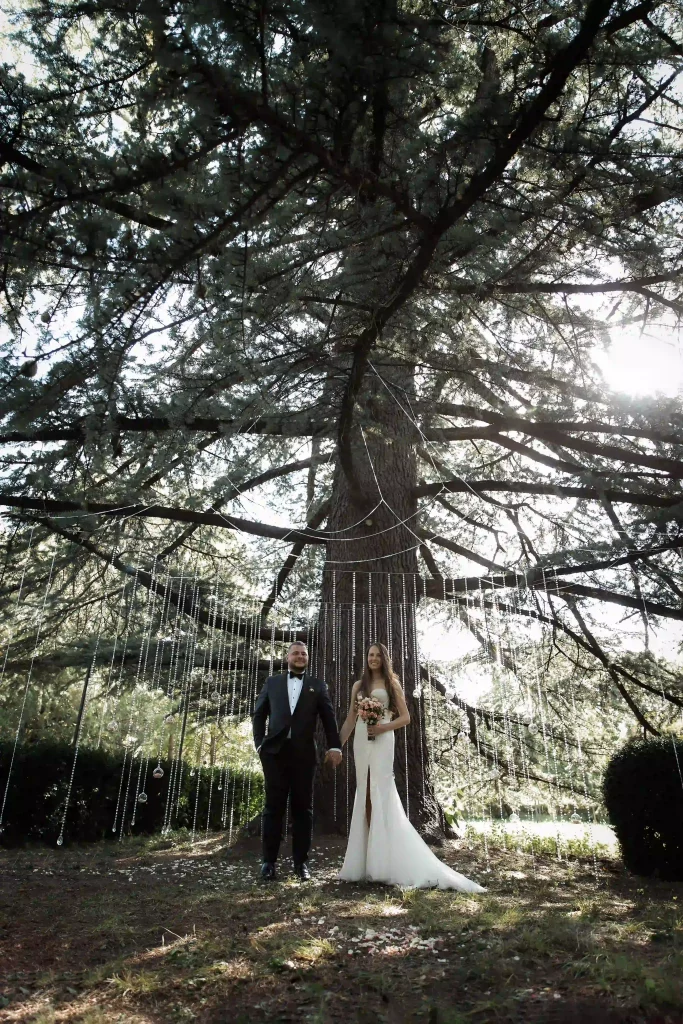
235,949
135,982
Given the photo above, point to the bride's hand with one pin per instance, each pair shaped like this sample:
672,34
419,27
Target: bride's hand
375,730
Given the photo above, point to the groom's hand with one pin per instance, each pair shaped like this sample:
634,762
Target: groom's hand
333,757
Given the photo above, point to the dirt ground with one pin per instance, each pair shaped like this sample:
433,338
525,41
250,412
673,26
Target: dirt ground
152,931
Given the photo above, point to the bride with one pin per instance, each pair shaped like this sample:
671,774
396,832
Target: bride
383,846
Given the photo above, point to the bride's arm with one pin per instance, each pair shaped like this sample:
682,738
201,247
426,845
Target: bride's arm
350,723
401,720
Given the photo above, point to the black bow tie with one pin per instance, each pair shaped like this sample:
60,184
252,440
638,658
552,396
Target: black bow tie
296,675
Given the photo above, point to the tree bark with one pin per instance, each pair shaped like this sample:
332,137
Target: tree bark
370,593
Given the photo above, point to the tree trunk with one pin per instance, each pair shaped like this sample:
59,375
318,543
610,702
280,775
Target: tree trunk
370,593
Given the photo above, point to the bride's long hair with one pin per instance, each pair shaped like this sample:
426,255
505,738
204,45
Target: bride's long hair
391,680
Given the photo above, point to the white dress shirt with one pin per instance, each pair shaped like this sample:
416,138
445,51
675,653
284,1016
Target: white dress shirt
294,688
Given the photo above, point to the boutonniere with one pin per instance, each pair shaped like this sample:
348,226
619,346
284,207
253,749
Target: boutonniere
310,689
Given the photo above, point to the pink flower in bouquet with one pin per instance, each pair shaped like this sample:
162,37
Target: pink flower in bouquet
370,711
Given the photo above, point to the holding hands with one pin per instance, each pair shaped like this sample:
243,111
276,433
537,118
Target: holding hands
333,757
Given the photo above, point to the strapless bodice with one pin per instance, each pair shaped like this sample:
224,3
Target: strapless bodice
381,694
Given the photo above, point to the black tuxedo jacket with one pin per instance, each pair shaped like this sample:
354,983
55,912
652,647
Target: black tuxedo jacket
272,703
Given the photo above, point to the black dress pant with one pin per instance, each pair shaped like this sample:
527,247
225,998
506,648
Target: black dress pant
287,775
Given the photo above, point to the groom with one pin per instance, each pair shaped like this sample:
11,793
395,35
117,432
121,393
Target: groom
292,702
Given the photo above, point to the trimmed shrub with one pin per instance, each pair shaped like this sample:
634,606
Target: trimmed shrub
643,793
40,781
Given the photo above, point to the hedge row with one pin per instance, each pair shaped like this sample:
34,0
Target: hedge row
643,792
39,784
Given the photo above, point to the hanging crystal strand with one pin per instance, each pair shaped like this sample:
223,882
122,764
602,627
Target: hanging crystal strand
372,634
178,684
140,796
569,759
251,678
403,647
548,732
254,688
390,639
22,710
227,662
363,643
353,658
131,739
108,684
348,683
486,818
507,744
141,728
418,689
215,697
334,617
246,692
192,671
511,621
232,679
79,729
114,725
8,644
200,735
169,717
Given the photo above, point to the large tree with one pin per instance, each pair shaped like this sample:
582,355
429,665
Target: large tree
390,232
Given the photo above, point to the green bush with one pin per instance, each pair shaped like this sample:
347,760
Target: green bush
643,793
40,781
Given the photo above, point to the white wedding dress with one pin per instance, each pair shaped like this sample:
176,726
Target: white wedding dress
390,850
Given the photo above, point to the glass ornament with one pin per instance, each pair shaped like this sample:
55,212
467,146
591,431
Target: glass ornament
576,818
533,728
112,726
216,697
514,817
130,741
220,787
142,798
60,841
158,772
168,718
495,774
209,677
417,692
192,773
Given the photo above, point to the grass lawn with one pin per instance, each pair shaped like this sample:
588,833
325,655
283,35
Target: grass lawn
160,931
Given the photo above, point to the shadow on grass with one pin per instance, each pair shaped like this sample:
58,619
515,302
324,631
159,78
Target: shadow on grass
151,933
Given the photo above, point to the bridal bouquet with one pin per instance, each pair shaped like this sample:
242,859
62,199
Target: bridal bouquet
371,711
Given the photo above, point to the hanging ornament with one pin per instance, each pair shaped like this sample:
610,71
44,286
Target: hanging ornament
142,798
168,718
192,773
130,741
493,775
417,692
463,739
533,728
576,818
158,772
216,697
60,841
514,817
209,677
112,726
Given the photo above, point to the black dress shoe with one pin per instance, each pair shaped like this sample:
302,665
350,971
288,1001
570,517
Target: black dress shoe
268,871
302,872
